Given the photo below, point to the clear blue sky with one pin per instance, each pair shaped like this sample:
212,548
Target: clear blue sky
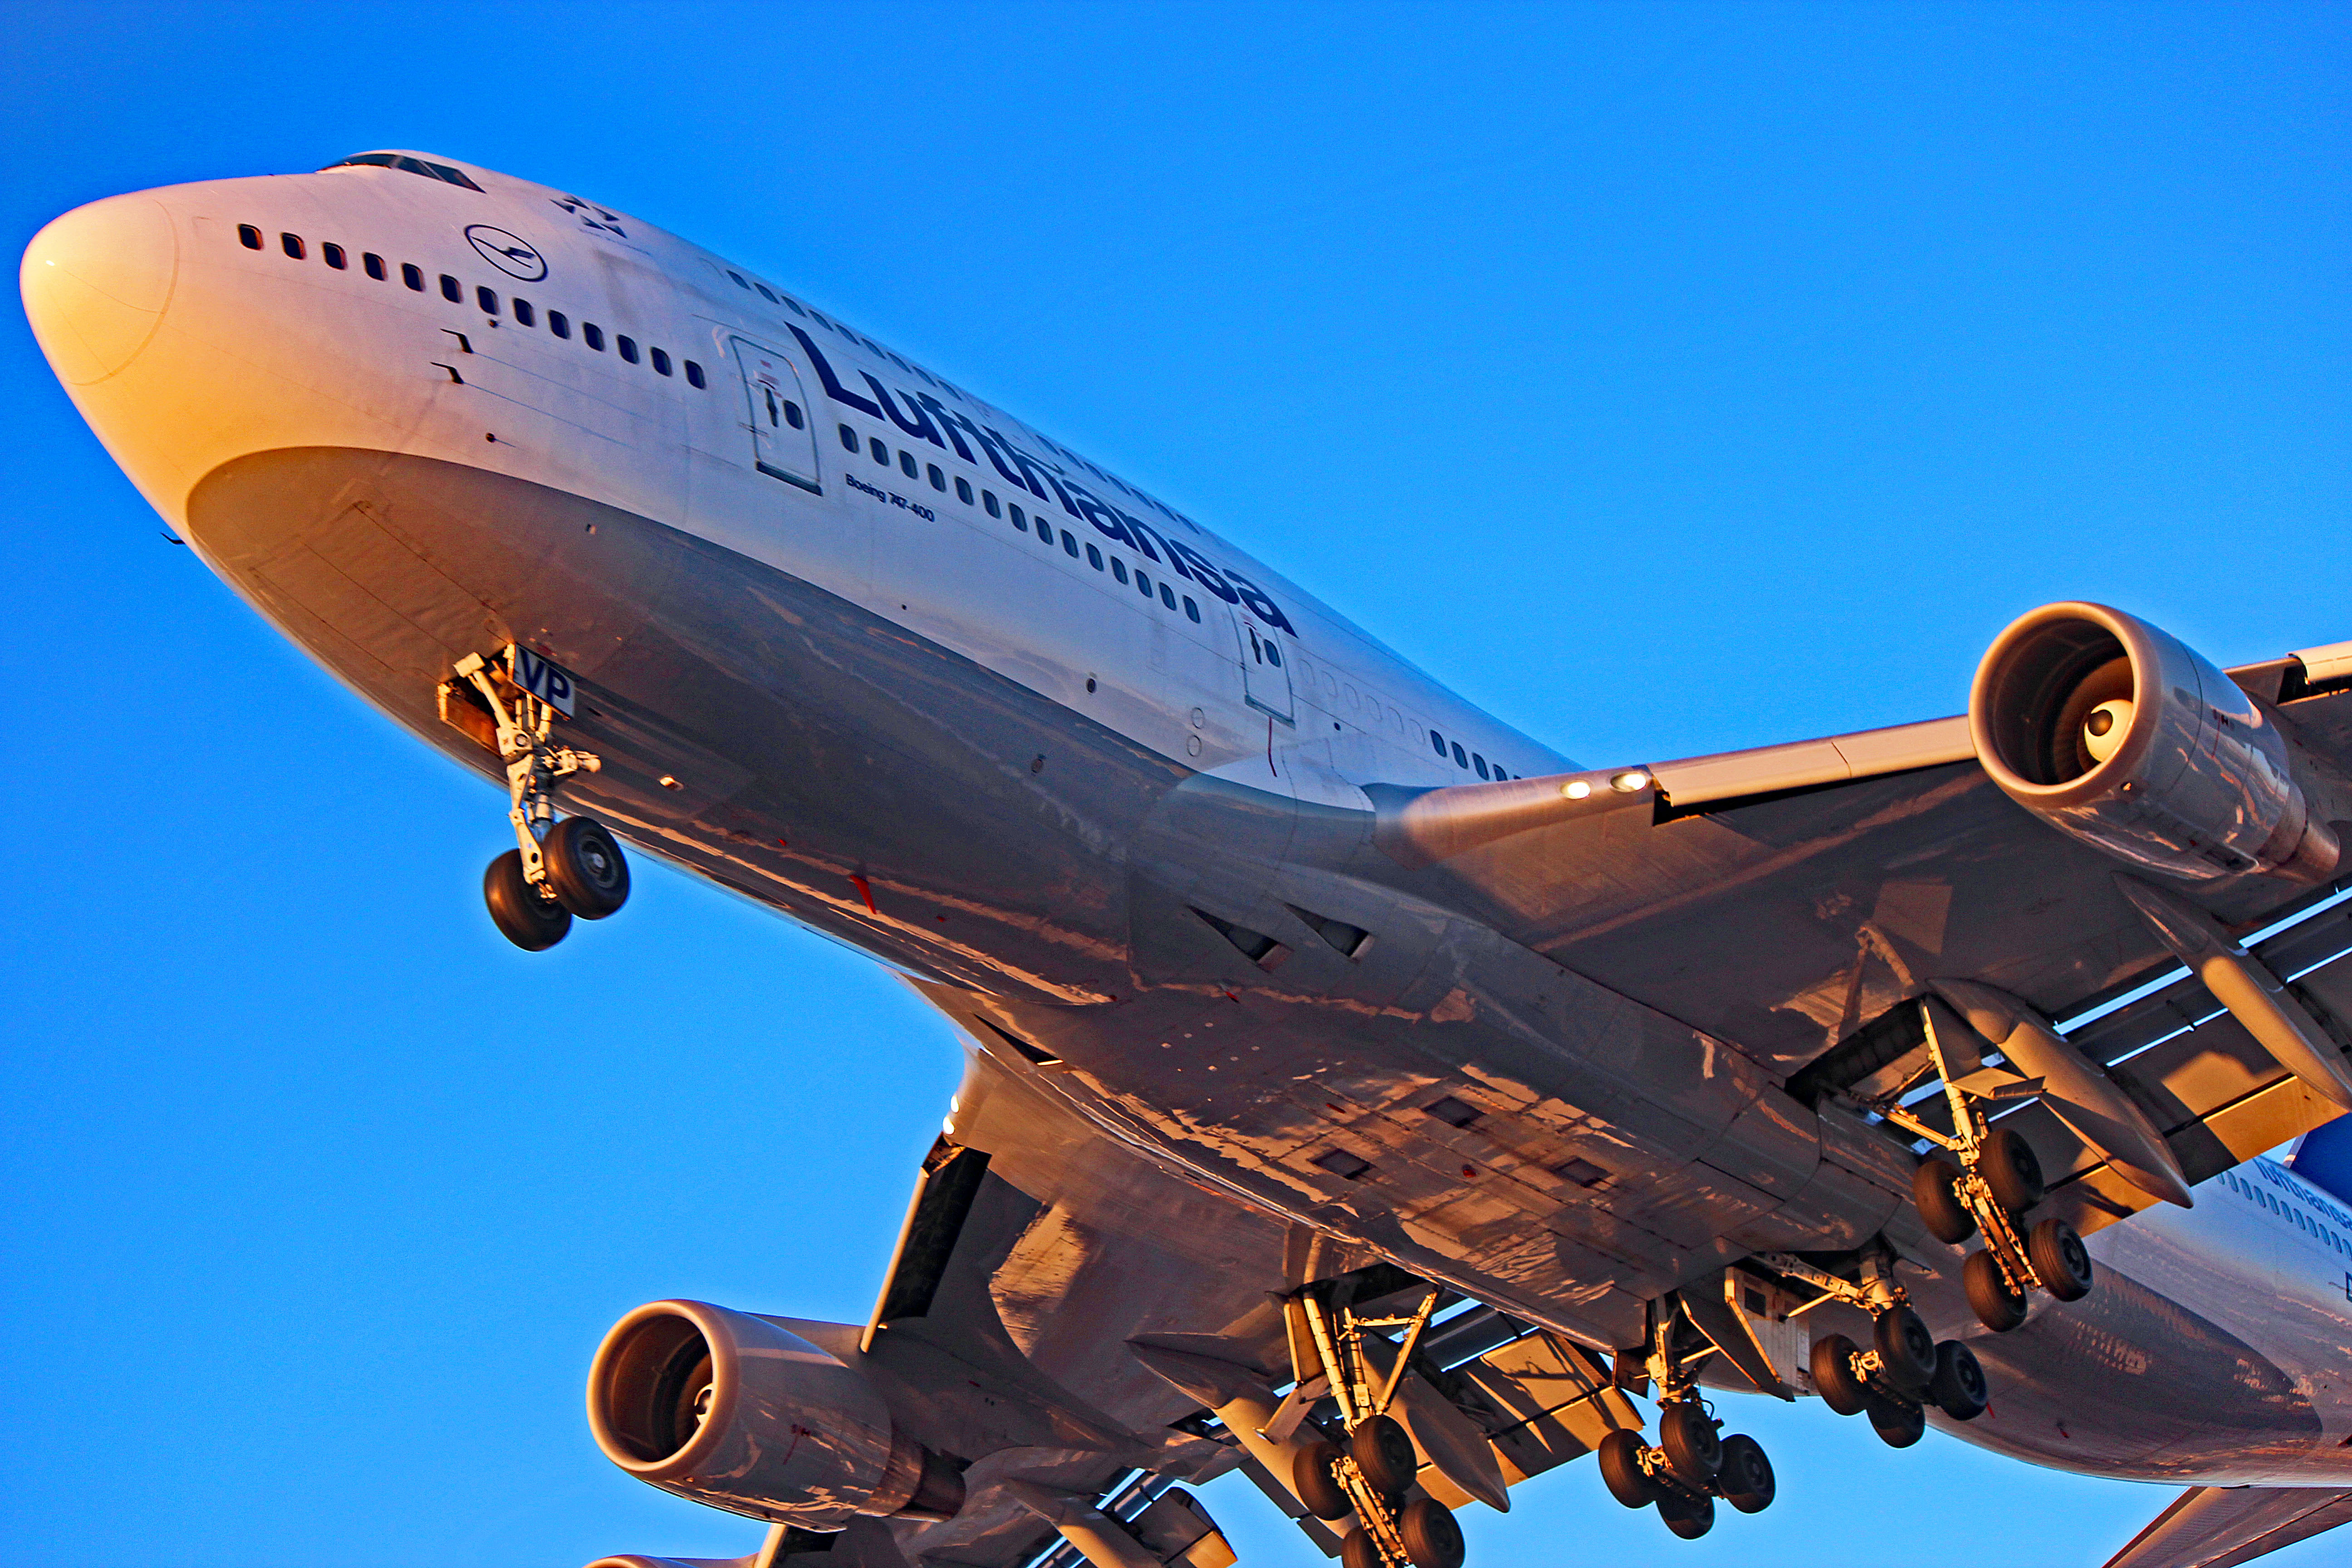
1667,379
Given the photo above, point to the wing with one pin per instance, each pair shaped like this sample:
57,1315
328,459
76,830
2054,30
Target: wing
1798,900
2220,1526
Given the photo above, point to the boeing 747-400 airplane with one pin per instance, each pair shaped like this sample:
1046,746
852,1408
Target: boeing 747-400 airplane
1361,1094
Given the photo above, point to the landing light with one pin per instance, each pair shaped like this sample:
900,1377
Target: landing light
1629,781
1576,789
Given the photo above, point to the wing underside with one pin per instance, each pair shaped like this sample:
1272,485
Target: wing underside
2220,1526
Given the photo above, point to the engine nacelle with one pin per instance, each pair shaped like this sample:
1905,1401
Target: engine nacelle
738,1411
2119,735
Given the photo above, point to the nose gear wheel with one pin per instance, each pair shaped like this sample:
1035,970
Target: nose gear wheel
557,871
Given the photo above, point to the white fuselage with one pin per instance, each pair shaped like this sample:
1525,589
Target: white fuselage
745,418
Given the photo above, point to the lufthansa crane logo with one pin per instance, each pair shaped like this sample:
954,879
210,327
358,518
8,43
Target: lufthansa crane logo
508,253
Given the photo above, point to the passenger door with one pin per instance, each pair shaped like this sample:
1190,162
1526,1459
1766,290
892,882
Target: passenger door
784,437
1266,670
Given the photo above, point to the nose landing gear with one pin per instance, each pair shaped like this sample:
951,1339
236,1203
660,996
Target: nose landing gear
558,870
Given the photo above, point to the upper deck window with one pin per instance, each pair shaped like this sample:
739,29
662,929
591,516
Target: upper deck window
412,165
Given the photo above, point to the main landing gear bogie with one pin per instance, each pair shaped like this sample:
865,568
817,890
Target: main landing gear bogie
1689,1467
1991,1179
1892,1382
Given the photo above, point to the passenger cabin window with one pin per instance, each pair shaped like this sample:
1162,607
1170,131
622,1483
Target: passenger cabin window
248,237
593,335
661,367
333,254
1460,761
1167,595
374,264
848,439
452,290
906,464
559,323
525,312
963,489
1045,532
1437,741
988,503
413,275
1119,568
767,293
291,244
487,299
793,415
628,347
694,377
1020,518
1069,544
939,480
1094,558
1191,610
1479,763
874,448
738,279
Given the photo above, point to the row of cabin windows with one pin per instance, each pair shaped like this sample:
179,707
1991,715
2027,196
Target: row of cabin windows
1462,758
797,308
485,300
875,448
2287,1211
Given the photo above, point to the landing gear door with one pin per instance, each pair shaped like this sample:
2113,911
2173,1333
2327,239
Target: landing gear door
1266,670
783,435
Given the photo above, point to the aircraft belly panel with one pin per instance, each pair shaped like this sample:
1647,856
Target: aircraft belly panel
811,747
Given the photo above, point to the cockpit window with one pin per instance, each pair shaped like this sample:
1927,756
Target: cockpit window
412,165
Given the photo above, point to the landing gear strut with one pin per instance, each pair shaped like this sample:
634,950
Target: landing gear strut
1996,1180
1370,1474
1691,1465
558,870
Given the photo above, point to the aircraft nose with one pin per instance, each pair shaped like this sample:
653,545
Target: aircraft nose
95,283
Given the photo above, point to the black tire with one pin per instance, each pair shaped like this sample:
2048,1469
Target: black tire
2012,1169
1936,1193
2060,1262
1432,1537
1359,1549
1385,1454
1989,1294
1693,1452
1312,1478
1906,1350
1833,1378
1620,1469
1688,1517
1959,1389
1745,1480
525,918
1897,1424
585,867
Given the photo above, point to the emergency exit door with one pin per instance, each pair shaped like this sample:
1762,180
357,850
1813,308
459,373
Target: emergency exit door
783,434
1266,670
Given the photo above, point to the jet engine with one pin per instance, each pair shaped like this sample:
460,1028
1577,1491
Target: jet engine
2117,733
740,1413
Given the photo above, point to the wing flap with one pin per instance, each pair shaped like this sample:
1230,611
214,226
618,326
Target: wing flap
2220,1527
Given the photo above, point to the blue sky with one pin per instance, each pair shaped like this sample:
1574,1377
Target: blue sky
1666,379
